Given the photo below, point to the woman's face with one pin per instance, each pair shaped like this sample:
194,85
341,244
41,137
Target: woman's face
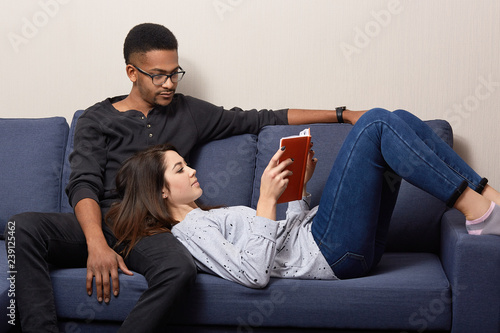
181,179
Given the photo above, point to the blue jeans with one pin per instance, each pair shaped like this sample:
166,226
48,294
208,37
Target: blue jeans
356,206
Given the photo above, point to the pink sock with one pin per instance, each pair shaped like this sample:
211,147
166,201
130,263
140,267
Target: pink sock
476,227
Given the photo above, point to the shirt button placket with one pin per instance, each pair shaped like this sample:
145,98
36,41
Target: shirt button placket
148,126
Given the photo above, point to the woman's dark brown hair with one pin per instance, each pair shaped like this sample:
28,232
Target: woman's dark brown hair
141,210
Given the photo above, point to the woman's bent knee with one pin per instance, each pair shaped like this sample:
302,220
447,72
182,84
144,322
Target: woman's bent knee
375,114
403,114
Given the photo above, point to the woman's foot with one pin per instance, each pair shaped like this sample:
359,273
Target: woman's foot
491,194
488,224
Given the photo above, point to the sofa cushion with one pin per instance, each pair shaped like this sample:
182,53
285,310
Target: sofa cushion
31,153
73,302
393,296
225,170
413,228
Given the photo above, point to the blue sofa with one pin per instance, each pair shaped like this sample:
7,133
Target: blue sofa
433,277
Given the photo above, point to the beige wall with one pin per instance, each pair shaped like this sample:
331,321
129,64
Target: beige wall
438,59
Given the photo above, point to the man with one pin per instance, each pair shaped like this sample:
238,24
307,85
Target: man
106,134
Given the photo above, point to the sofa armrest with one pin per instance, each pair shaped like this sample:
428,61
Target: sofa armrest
472,264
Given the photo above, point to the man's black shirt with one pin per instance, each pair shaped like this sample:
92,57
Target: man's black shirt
105,138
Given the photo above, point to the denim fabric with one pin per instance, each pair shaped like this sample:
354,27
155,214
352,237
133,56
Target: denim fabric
356,206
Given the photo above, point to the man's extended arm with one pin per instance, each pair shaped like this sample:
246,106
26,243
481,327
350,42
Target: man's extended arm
302,116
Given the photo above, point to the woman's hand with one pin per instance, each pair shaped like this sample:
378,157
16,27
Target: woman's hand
310,167
273,183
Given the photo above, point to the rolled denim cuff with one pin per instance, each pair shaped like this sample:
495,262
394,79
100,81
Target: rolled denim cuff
482,184
458,192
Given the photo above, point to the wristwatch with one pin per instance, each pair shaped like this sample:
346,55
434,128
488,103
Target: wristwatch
340,110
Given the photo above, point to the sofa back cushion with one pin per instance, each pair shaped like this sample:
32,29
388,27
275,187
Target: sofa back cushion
225,170
327,139
32,153
415,224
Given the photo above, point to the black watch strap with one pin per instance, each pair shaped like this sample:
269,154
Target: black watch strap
340,110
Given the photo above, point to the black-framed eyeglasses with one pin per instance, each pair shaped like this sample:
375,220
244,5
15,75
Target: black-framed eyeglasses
160,79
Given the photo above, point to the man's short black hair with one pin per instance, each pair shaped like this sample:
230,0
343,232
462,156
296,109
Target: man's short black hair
148,37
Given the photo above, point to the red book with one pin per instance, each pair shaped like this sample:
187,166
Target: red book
297,147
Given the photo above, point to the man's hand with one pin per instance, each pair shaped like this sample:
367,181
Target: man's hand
103,263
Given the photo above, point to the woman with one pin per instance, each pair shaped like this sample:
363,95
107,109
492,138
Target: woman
342,238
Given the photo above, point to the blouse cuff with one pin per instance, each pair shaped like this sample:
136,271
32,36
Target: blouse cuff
307,200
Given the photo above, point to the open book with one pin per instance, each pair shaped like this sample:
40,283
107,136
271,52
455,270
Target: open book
297,147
